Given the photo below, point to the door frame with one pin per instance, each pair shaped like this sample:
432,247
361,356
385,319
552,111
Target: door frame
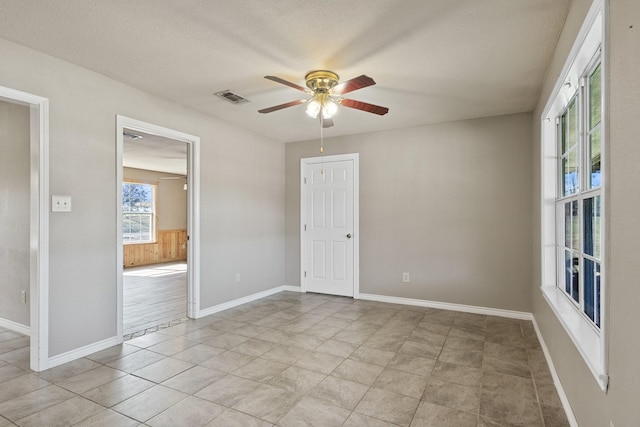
39,224
355,157
193,212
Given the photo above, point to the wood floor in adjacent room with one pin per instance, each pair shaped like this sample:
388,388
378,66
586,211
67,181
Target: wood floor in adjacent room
296,359
153,295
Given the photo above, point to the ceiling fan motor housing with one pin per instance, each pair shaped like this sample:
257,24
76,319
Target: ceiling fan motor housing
321,81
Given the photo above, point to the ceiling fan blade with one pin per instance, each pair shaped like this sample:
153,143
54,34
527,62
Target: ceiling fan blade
286,83
281,106
327,123
353,84
369,108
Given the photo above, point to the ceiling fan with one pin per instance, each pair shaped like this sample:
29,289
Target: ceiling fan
326,94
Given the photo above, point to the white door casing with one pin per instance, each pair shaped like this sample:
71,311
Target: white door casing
329,225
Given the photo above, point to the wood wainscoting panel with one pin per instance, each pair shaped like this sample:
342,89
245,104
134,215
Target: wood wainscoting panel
171,245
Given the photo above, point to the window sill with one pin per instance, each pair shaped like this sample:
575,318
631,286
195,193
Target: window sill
587,340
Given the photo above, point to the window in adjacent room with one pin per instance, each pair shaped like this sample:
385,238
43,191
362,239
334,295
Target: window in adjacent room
573,214
138,212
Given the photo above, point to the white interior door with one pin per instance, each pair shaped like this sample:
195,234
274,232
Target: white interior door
329,226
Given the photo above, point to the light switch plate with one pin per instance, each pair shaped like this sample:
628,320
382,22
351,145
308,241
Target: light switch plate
60,203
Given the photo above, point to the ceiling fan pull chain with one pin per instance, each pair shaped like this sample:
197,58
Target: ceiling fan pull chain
322,143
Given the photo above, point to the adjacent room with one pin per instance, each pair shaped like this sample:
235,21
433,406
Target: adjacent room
285,213
154,232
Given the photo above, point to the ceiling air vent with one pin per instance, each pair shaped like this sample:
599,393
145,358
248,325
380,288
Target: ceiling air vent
131,135
232,97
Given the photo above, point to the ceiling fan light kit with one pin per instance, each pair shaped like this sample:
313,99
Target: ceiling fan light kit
320,82
329,109
313,108
326,94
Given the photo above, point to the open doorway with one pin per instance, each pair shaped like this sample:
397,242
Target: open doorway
14,227
14,232
154,231
24,236
157,227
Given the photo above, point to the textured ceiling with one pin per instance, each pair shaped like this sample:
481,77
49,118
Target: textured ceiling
152,152
434,61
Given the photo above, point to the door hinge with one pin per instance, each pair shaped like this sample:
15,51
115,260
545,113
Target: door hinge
305,227
305,180
187,237
305,274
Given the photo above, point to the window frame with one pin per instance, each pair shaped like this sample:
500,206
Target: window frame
154,216
588,51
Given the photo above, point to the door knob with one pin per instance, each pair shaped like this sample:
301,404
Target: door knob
349,236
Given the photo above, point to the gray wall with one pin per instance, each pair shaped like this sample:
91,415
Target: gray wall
241,206
171,199
591,406
450,204
14,211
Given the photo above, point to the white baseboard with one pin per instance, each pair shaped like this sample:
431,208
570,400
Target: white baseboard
372,297
449,306
81,352
15,326
556,380
249,298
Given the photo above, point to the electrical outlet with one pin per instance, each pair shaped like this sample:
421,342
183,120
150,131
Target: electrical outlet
406,278
60,203
23,296
237,277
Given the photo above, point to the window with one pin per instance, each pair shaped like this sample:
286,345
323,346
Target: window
138,212
573,195
579,201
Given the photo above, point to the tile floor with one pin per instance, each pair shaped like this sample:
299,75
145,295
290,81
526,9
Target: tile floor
296,360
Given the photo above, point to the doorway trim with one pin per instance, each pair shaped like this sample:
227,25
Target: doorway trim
39,223
193,211
356,214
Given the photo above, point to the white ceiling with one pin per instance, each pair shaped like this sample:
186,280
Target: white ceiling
156,153
434,61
